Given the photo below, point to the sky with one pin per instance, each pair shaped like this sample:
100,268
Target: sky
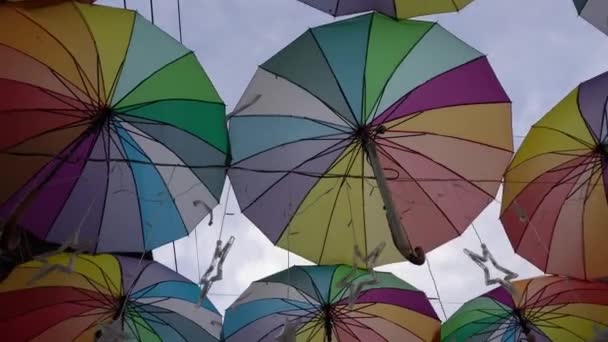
539,49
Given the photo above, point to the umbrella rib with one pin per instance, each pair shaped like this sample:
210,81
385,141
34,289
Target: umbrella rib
568,197
110,93
89,106
327,137
349,167
530,217
390,77
459,177
390,157
165,124
53,111
578,140
78,67
100,81
332,148
176,60
77,124
414,134
595,169
170,195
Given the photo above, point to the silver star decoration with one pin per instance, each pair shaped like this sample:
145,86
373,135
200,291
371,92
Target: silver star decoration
480,260
217,264
349,280
288,333
74,243
601,334
113,332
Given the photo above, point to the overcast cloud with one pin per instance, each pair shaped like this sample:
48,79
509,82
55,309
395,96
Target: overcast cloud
539,49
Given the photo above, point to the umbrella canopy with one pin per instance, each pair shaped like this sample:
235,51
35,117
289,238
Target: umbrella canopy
593,11
366,114
102,115
148,300
554,204
41,3
401,9
550,308
310,299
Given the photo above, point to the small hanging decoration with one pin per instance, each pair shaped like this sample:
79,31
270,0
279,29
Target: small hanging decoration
217,264
480,260
355,287
288,333
75,249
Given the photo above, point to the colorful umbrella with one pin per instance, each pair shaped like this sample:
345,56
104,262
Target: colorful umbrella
41,3
102,113
366,114
550,308
554,205
401,9
310,299
593,11
146,299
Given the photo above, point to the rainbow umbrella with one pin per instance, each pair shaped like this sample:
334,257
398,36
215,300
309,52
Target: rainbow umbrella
550,308
594,12
364,115
42,3
401,9
145,299
310,299
103,115
554,204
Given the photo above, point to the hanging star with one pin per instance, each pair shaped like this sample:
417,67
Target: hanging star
480,260
72,243
349,280
288,333
217,264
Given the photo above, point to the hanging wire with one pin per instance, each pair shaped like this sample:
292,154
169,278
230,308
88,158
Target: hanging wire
428,264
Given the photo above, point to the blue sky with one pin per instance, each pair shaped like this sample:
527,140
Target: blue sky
539,49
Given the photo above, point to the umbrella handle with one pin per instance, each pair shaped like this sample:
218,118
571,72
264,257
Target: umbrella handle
414,255
417,256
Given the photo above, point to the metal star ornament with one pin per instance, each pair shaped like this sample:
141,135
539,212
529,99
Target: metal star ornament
349,280
216,265
486,256
47,268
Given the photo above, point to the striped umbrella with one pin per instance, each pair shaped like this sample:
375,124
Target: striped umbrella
108,124
141,299
545,309
370,130
401,9
311,300
555,198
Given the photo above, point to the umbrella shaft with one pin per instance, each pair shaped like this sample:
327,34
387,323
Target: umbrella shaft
399,235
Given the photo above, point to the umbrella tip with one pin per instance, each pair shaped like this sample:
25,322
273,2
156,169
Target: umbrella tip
417,256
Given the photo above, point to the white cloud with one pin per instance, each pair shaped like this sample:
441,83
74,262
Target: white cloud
539,49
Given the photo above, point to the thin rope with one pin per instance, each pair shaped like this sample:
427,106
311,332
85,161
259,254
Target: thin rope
179,20
175,257
477,233
198,262
428,264
152,11
221,233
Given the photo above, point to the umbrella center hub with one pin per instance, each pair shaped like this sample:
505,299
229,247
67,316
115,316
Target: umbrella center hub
367,134
602,149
